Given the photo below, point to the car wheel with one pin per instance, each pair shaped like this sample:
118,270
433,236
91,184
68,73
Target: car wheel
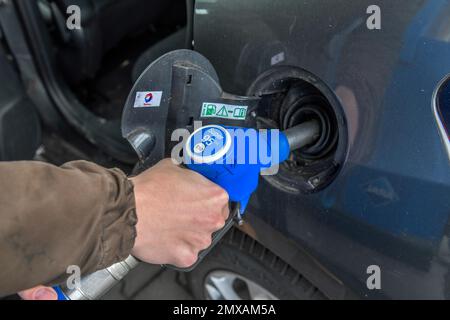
240,268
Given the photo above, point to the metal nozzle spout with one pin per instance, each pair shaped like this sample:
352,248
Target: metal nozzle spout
303,134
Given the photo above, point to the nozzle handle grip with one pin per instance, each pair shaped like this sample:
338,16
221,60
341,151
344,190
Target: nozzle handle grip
216,237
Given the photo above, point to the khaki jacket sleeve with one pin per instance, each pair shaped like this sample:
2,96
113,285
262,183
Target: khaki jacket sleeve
53,217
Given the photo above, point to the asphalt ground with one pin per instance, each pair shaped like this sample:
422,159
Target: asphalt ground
151,282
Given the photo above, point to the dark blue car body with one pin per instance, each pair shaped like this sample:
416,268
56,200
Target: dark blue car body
389,205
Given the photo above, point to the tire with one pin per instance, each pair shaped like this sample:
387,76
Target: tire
239,255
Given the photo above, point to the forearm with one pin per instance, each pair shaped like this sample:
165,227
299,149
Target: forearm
52,217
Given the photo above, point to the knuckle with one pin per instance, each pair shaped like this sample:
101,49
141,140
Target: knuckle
220,223
205,242
201,241
215,221
220,195
225,212
223,196
186,259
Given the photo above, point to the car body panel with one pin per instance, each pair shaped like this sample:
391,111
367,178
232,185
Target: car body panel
390,204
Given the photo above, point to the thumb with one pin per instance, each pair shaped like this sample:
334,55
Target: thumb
39,293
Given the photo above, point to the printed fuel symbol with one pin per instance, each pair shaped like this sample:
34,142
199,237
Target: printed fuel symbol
224,111
210,110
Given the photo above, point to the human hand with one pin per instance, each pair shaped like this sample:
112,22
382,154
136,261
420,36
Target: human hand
39,293
178,210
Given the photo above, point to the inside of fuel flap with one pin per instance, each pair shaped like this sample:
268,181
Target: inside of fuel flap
292,97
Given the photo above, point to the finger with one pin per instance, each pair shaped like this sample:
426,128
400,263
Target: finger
226,211
39,293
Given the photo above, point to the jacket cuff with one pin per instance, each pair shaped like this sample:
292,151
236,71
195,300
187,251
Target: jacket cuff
118,222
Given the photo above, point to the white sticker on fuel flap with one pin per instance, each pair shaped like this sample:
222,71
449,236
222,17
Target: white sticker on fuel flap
148,99
224,111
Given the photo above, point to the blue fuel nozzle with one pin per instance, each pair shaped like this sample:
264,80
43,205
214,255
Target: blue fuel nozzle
233,157
61,295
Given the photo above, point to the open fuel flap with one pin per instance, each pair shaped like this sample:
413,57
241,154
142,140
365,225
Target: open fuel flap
174,92
182,87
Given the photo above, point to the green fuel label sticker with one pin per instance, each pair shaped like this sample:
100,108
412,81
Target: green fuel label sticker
224,111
